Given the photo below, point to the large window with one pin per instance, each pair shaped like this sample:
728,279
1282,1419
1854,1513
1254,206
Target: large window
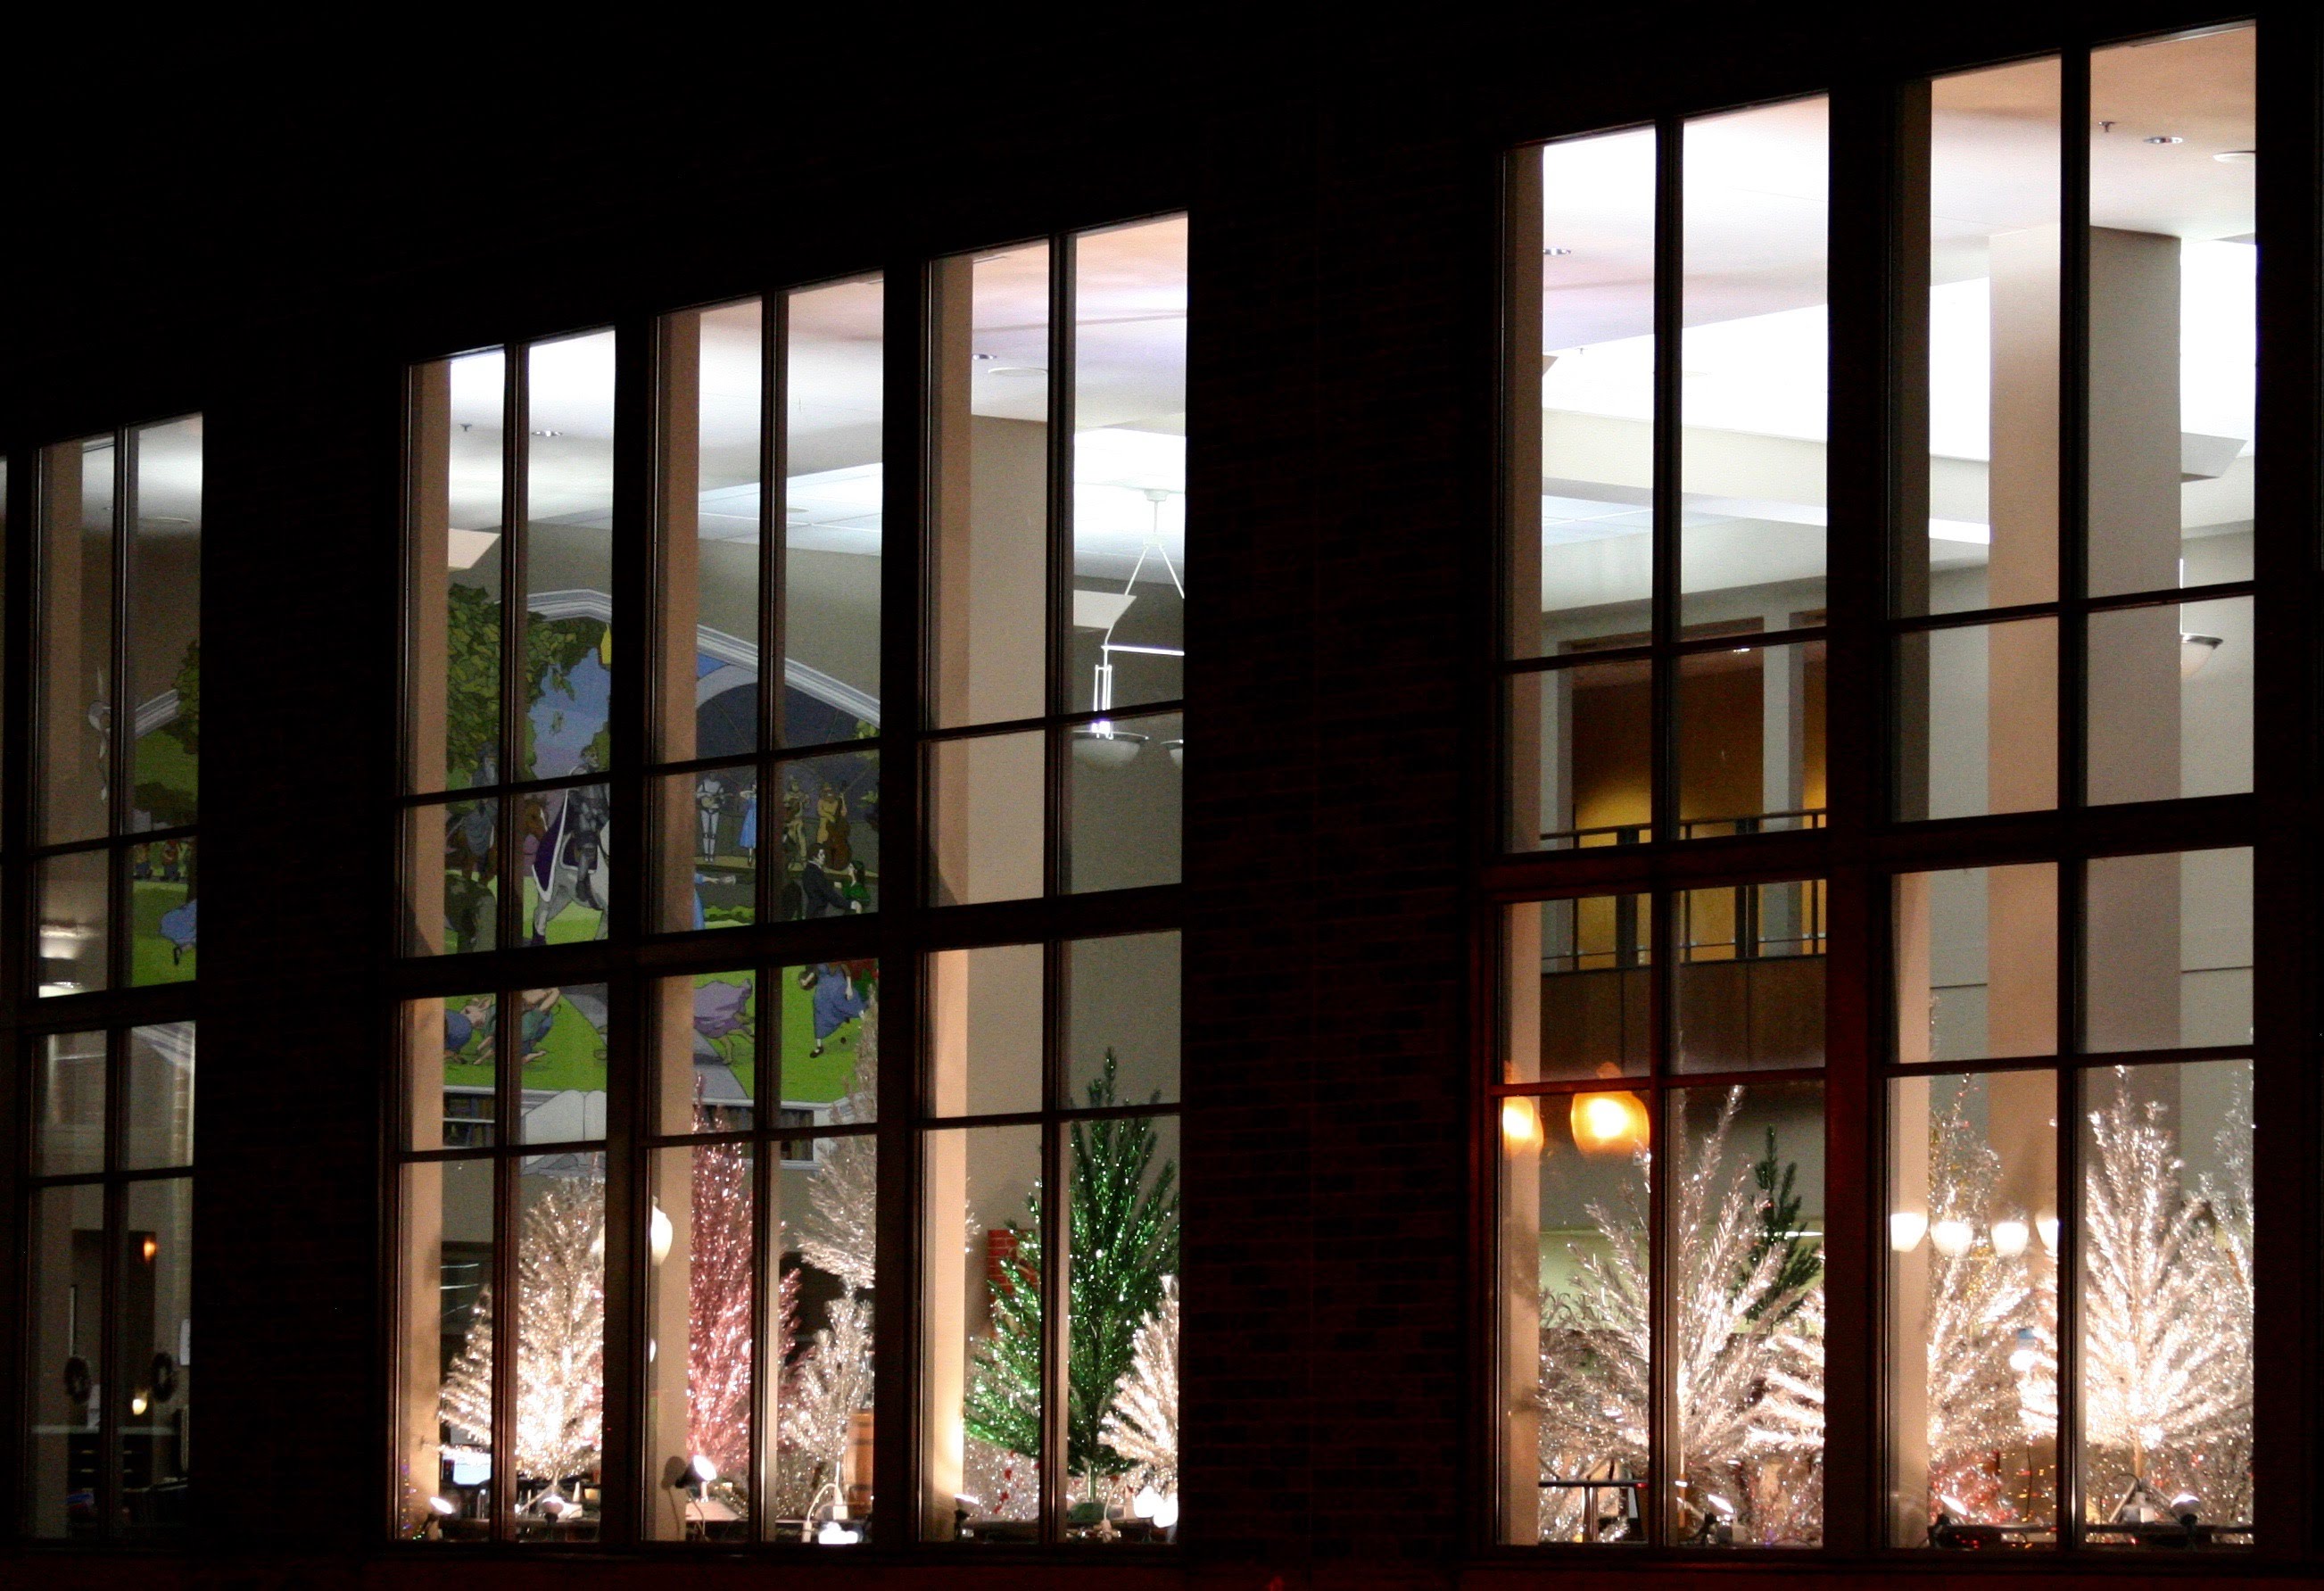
107,1051
829,1107
1996,749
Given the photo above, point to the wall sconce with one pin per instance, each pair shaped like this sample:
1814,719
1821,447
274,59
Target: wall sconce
2010,1238
2047,1225
1905,1228
1521,1125
1952,1238
1609,1122
660,1236
2194,652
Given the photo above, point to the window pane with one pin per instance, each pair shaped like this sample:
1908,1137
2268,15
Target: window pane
1746,1274
164,912
1973,1296
1752,405
1750,979
155,1340
710,502
1579,993
1994,254
74,922
68,1105
2170,702
824,1465
454,888
1576,1243
834,506
561,1347
2173,278
830,1040
2166,1297
2167,957
1977,720
1121,1006
568,558
459,429
1122,1338
76,659
65,1358
985,820
164,625
703,1298
1123,803
980,1336
445,1412
830,837
1976,963
709,825
560,1042
1581,756
985,1012
568,872
159,1128
1129,466
989,411
453,1054
1751,740
709,1051
1583,556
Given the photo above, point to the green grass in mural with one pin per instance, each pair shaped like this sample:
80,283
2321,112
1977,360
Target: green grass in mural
572,1055
808,1080
150,960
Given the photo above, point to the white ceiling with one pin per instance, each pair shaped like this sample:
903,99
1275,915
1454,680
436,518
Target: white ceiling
1130,403
1753,361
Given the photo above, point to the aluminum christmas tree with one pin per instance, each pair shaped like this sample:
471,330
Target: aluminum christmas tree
1748,1347
1142,1425
560,1354
2166,1314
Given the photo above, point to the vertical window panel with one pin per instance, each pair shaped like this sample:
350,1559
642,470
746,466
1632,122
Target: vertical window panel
158,1124
826,1457
457,517
1748,989
983,1358
65,1364
704,1304
830,836
1995,263
568,878
1751,740
68,1094
2167,951
711,467
1580,995
1581,756
1752,365
1977,720
561,1059
154,1321
163,626
2169,712
834,511
444,1350
986,1016
2165,1305
1123,803
1127,635
558,1433
75,925
1972,1231
1746,1270
77,497
985,799
2172,285
1582,532
567,693
1121,1002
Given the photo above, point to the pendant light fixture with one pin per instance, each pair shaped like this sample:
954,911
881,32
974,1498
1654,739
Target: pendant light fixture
1104,744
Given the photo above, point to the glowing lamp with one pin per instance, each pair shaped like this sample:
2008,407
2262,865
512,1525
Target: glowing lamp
835,1534
1166,1513
702,1469
1609,1122
1905,1228
1952,1238
1521,1125
442,1506
2010,1238
2047,1227
1144,1504
152,1248
661,1235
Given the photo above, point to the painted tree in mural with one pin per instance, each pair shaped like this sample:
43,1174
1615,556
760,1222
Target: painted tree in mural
1123,1215
560,1338
1748,1341
1142,1424
553,649
2166,1313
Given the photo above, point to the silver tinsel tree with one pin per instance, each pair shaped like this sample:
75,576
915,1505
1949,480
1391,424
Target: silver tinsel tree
561,1336
1142,1425
2166,1314
1978,1301
1748,1349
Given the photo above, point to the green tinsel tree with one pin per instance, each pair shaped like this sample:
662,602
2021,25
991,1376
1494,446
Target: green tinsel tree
1124,1234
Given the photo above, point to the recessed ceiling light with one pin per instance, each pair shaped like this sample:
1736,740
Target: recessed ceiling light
2238,157
2166,138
